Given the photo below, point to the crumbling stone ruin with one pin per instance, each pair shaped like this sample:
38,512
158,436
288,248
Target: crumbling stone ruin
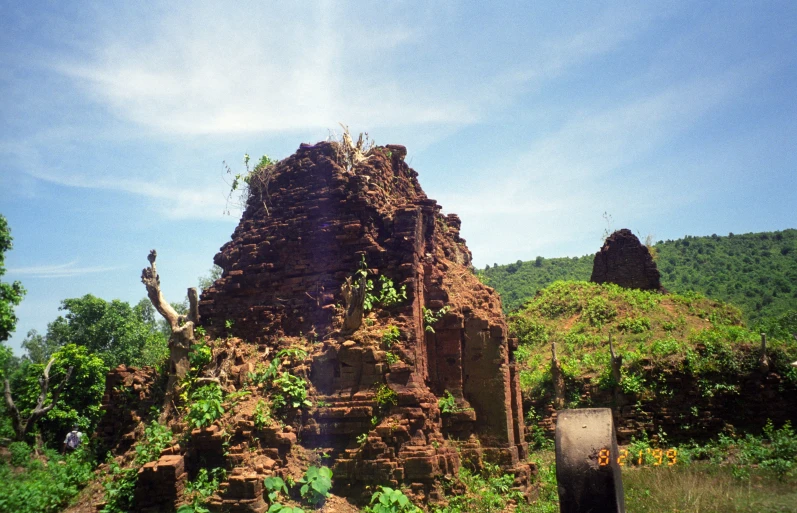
323,224
627,262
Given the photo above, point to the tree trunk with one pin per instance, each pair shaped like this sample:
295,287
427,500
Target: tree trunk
617,364
182,326
558,380
353,302
763,361
23,425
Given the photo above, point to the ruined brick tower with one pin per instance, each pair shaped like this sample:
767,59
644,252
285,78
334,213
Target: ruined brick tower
306,230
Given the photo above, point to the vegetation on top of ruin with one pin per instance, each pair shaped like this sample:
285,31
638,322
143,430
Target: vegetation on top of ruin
667,332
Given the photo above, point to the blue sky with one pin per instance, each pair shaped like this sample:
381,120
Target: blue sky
528,119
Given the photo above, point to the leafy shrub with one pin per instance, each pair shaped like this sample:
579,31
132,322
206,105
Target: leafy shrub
665,347
264,373
632,383
388,500
390,336
261,415
200,355
316,483
385,396
157,437
634,324
206,406
20,453
430,317
447,403
392,358
120,486
44,488
599,311
200,489
386,296
290,390
528,331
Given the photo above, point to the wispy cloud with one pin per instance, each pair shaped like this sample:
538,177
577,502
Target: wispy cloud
67,270
173,200
201,73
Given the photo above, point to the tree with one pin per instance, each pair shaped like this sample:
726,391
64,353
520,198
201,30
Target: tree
205,282
10,293
115,331
39,347
24,420
77,400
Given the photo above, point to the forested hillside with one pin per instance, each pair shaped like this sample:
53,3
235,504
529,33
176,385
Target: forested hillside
755,271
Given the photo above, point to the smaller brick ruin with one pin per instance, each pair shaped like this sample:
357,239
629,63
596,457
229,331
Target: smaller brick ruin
625,261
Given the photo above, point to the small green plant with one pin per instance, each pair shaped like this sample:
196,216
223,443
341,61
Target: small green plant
228,324
392,358
447,403
389,500
261,415
20,453
635,324
264,373
390,336
206,406
157,437
294,354
201,354
385,396
316,483
632,383
430,317
199,490
120,485
361,439
274,487
290,390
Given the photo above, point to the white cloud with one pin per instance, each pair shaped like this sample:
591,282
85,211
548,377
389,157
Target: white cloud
201,71
67,270
173,200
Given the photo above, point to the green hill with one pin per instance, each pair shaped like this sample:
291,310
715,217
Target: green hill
755,271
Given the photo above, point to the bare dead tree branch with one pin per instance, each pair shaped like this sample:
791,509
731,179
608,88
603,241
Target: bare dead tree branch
182,326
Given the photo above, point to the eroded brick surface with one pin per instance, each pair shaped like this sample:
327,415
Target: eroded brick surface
283,269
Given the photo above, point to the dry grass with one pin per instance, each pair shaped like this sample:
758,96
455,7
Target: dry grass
706,488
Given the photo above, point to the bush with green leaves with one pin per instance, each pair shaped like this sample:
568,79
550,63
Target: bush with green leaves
206,406
43,488
389,500
200,489
157,437
275,487
262,414
316,484
447,403
120,487
201,354
289,391
390,336
430,317
385,397
264,373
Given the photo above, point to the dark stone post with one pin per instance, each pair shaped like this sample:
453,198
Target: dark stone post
587,471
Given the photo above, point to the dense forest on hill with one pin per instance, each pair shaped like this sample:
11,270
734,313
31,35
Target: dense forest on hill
755,271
